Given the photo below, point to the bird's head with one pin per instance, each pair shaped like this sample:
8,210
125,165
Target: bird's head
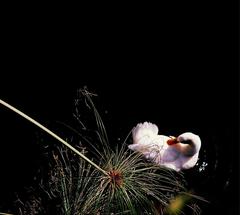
187,142
192,140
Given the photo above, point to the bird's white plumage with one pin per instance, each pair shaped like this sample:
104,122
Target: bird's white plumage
154,147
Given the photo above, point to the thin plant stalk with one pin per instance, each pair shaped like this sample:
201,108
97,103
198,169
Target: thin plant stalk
5,214
52,134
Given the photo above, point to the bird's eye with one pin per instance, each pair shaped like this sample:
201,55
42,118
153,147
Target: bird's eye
186,141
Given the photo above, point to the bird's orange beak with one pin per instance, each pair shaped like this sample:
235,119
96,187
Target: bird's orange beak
172,141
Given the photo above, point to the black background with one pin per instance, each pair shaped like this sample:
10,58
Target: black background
174,65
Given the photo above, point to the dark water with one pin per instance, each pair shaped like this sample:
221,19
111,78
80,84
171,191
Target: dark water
174,65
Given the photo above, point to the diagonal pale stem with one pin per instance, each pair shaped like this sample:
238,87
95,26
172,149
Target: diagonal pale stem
52,134
5,214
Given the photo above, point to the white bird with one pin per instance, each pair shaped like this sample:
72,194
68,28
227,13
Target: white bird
173,152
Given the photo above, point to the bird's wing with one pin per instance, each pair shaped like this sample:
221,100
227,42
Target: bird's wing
144,130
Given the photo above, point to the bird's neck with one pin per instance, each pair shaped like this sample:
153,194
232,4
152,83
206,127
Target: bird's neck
187,149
